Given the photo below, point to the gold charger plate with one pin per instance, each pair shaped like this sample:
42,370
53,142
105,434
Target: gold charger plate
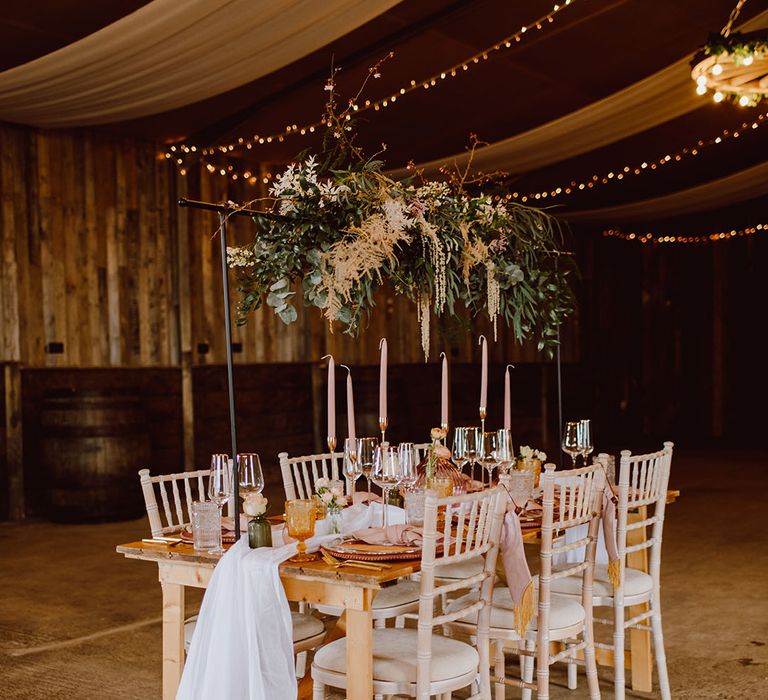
356,549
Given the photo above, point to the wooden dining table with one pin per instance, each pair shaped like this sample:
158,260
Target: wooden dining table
316,582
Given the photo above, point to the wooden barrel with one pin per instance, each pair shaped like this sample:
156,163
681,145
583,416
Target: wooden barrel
93,444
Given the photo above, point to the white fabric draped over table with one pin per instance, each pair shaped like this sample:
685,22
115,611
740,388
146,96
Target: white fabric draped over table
242,648
168,54
667,94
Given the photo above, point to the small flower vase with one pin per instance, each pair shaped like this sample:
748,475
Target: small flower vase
334,520
259,532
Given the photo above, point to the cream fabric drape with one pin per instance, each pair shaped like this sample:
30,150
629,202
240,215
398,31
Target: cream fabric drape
171,53
739,187
665,95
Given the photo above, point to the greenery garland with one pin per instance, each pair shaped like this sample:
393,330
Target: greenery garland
339,228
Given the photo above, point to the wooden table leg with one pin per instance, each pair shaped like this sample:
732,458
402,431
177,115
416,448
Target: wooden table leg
639,640
173,637
359,625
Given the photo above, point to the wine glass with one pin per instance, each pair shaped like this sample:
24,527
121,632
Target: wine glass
387,472
488,456
219,490
460,447
300,523
352,469
405,451
250,476
571,445
585,438
470,439
366,448
504,450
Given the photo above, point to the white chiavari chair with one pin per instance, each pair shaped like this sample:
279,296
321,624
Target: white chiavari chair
308,631
299,477
643,483
559,618
418,662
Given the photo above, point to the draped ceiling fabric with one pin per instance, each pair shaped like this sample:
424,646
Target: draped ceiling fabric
170,53
652,101
739,187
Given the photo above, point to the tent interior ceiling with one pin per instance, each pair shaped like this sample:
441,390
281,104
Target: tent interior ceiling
591,50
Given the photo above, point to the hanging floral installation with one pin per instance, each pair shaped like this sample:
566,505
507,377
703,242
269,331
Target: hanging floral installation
337,228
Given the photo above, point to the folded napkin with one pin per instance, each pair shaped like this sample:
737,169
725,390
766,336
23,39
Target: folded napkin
519,580
362,497
407,535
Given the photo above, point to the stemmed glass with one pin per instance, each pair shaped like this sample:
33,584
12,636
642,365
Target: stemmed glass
460,447
352,468
585,439
250,476
571,444
366,448
465,445
488,456
219,490
300,522
406,454
387,473
504,450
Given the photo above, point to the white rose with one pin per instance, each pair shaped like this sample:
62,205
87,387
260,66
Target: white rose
255,505
526,452
321,483
326,497
337,490
541,455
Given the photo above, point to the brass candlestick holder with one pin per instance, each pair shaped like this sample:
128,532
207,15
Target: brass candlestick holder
383,423
483,414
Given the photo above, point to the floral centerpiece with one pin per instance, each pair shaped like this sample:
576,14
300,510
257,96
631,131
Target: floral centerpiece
531,460
436,470
338,228
330,493
259,529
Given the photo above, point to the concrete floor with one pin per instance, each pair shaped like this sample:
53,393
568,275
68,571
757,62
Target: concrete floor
81,622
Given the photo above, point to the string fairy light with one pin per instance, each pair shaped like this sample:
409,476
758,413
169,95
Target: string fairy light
655,238
179,152
629,170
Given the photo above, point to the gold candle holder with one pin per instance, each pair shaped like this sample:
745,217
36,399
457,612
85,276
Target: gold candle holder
383,423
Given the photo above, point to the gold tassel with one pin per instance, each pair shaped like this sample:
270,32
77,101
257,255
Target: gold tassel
614,573
524,612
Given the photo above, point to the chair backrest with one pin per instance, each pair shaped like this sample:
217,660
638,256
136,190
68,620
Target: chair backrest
300,473
579,493
471,528
177,509
420,451
643,482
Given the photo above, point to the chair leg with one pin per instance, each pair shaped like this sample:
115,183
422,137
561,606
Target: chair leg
618,653
658,648
542,672
528,669
318,690
591,663
301,664
498,669
573,682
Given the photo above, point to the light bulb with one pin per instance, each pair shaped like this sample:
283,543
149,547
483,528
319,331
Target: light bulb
717,69
718,96
701,80
748,60
743,100
701,89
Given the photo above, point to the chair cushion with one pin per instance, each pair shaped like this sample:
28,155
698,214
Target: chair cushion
564,611
304,627
635,583
394,656
402,593
460,570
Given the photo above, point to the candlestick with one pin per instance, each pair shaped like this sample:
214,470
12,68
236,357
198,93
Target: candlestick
350,405
383,418
331,401
444,394
480,446
507,399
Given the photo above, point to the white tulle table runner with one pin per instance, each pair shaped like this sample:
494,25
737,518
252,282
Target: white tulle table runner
242,648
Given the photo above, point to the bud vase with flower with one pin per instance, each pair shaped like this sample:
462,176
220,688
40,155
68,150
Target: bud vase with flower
259,529
331,494
530,460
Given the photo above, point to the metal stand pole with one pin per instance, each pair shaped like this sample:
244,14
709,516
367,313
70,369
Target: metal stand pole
230,373
559,399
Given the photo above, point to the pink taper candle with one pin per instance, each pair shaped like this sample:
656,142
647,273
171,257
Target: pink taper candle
350,405
331,400
444,393
507,400
484,374
383,382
